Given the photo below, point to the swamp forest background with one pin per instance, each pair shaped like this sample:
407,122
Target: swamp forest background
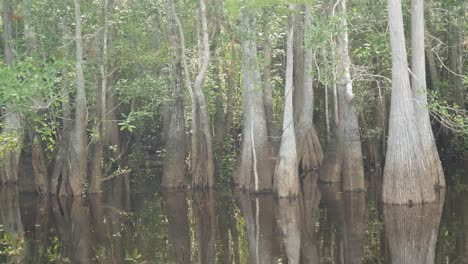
233,131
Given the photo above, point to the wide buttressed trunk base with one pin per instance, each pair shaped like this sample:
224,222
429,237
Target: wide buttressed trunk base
310,153
343,163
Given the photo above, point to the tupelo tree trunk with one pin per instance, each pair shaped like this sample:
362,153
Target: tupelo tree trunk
309,150
255,166
419,93
407,171
174,161
286,174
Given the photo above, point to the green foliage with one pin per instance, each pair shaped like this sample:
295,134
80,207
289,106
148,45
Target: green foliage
10,245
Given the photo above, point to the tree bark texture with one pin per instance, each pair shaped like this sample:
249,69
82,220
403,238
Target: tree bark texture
267,88
309,150
343,157
202,145
174,161
408,170
256,168
73,183
419,92
286,174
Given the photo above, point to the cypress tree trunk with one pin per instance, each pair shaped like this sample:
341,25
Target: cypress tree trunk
74,182
256,168
13,125
309,150
267,89
174,161
344,160
286,174
202,146
407,172
419,93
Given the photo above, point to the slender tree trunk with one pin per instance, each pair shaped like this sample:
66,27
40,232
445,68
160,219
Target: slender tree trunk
256,168
77,151
407,172
286,174
202,146
309,150
455,57
13,125
267,89
174,161
352,172
419,93
60,170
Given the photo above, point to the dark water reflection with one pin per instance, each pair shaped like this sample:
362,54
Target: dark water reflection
323,226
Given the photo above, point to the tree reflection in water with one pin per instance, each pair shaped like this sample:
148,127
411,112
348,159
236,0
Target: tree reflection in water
412,231
323,225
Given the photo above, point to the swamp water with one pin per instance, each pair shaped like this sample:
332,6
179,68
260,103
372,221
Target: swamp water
225,226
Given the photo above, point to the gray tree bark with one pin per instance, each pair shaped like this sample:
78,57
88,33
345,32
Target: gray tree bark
286,174
174,161
407,172
267,89
419,92
256,168
202,145
309,150
344,160
74,183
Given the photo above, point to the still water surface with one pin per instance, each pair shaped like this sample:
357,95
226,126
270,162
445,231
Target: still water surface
323,226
